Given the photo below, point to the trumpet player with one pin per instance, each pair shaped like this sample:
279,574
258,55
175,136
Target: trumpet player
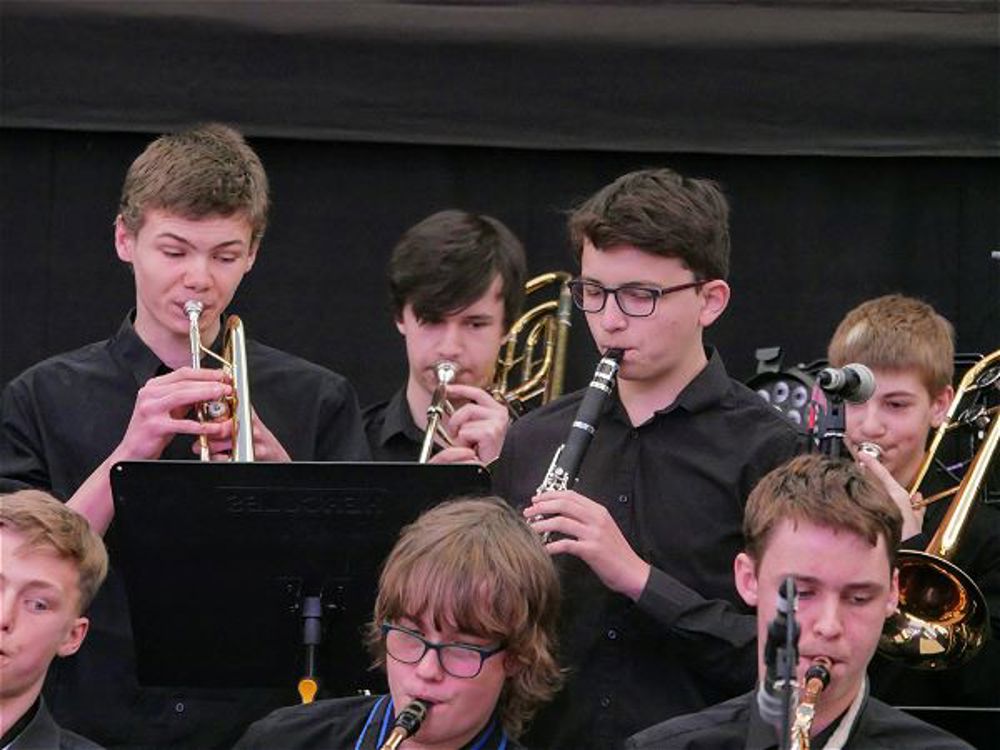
464,627
910,348
456,283
192,213
834,529
651,625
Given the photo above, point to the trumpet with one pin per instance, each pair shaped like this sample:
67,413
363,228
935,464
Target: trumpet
234,361
816,679
942,620
406,725
439,406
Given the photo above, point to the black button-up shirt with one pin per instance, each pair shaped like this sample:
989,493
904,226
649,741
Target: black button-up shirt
392,434
737,725
58,421
676,486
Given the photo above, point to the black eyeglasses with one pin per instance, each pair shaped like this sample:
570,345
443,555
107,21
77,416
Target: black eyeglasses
635,300
457,659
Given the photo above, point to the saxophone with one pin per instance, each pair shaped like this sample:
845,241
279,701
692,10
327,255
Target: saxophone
816,680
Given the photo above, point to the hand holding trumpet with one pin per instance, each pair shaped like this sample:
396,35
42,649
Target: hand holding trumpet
473,432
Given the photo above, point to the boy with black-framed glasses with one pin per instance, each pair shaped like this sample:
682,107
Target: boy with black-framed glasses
464,622
651,623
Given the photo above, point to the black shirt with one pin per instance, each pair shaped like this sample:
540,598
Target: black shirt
392,434
676,486
737,725
37,730
360,723
58,421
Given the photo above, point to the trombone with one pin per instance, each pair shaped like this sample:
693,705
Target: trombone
234,361
942,619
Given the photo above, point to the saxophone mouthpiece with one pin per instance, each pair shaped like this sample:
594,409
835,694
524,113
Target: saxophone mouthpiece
407,724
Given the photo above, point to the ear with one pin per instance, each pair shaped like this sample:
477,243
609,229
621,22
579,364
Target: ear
74,637
252,255
511,666
893,602
124,240
715,298
401,327
745,573
940,404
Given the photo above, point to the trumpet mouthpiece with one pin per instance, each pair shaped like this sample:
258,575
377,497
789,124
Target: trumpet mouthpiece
445,371
193,307
872,449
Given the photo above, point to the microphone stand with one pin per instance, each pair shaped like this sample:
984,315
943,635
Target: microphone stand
833,427
781,657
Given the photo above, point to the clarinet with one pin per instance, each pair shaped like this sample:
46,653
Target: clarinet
566,462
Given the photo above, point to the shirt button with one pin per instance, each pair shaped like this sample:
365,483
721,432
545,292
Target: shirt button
179,707
605,701
623,499
612,634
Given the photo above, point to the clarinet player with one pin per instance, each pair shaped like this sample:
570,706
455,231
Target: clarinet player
651,625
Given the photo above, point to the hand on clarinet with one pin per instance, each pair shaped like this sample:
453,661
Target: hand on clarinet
585,529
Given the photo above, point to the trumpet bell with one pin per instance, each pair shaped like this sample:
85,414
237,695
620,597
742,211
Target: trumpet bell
942,619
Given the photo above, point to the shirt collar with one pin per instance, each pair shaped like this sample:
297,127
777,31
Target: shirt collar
399,420
705,390
708,387
131,351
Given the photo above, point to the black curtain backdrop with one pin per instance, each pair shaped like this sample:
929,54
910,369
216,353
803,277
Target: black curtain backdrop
858,143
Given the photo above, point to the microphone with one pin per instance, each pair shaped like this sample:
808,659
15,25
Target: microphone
780,657
854,383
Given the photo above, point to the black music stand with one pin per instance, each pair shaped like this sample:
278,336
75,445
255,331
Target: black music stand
219,559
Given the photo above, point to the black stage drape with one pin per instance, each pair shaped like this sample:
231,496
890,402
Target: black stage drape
858,142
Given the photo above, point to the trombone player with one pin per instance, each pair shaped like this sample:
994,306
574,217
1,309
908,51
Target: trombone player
910,348
192,213
456,285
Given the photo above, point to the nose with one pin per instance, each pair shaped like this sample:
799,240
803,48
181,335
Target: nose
8,613
864,420
429,667
451,343
827,623
612,317
197,276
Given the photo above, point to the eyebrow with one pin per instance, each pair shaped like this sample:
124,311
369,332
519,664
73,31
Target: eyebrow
634,282
185,241
859,586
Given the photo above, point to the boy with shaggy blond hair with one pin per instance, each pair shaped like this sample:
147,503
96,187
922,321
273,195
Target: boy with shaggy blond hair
464,621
